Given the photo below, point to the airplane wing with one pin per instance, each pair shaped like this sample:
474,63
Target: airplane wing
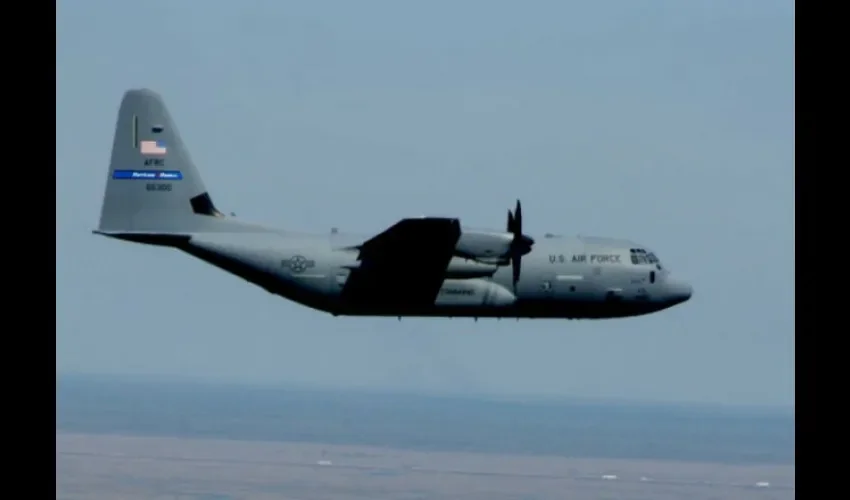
405,265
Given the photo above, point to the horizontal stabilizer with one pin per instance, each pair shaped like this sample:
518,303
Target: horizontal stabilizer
160,239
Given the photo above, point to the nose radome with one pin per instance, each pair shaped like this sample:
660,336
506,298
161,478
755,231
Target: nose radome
679,291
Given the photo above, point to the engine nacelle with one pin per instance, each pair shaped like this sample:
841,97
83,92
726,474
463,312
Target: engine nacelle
490,247
474,293
461,268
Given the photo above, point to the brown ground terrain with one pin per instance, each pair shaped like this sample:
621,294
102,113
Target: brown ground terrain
123,467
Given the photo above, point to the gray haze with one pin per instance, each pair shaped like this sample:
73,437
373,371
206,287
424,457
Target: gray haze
671,123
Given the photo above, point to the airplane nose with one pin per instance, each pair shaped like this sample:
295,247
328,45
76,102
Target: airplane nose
678,291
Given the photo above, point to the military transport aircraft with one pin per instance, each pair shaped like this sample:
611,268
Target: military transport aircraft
426,266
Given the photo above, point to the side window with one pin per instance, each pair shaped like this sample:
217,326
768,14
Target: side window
652,276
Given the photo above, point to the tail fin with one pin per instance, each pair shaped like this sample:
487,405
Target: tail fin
153,185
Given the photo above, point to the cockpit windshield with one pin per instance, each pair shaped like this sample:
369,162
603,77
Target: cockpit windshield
641,256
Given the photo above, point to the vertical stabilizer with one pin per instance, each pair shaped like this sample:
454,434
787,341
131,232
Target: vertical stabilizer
153,186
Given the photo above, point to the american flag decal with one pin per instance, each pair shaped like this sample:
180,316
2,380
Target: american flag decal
152,147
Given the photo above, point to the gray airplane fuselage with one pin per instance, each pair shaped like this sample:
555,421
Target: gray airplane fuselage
562,277
428,266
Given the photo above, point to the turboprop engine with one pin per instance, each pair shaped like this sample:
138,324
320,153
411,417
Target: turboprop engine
487,247
498,248
461,268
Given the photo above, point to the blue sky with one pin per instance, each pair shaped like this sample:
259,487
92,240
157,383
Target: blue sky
667,122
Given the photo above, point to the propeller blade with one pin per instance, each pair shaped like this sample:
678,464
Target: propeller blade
520,244
518,225
517,266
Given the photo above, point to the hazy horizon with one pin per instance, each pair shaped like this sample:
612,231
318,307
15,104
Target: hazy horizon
570,428
495,396
142,436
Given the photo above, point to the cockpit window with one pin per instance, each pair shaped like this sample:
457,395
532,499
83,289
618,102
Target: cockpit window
641,256
638,256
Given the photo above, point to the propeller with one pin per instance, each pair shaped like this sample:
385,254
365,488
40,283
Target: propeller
520,245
